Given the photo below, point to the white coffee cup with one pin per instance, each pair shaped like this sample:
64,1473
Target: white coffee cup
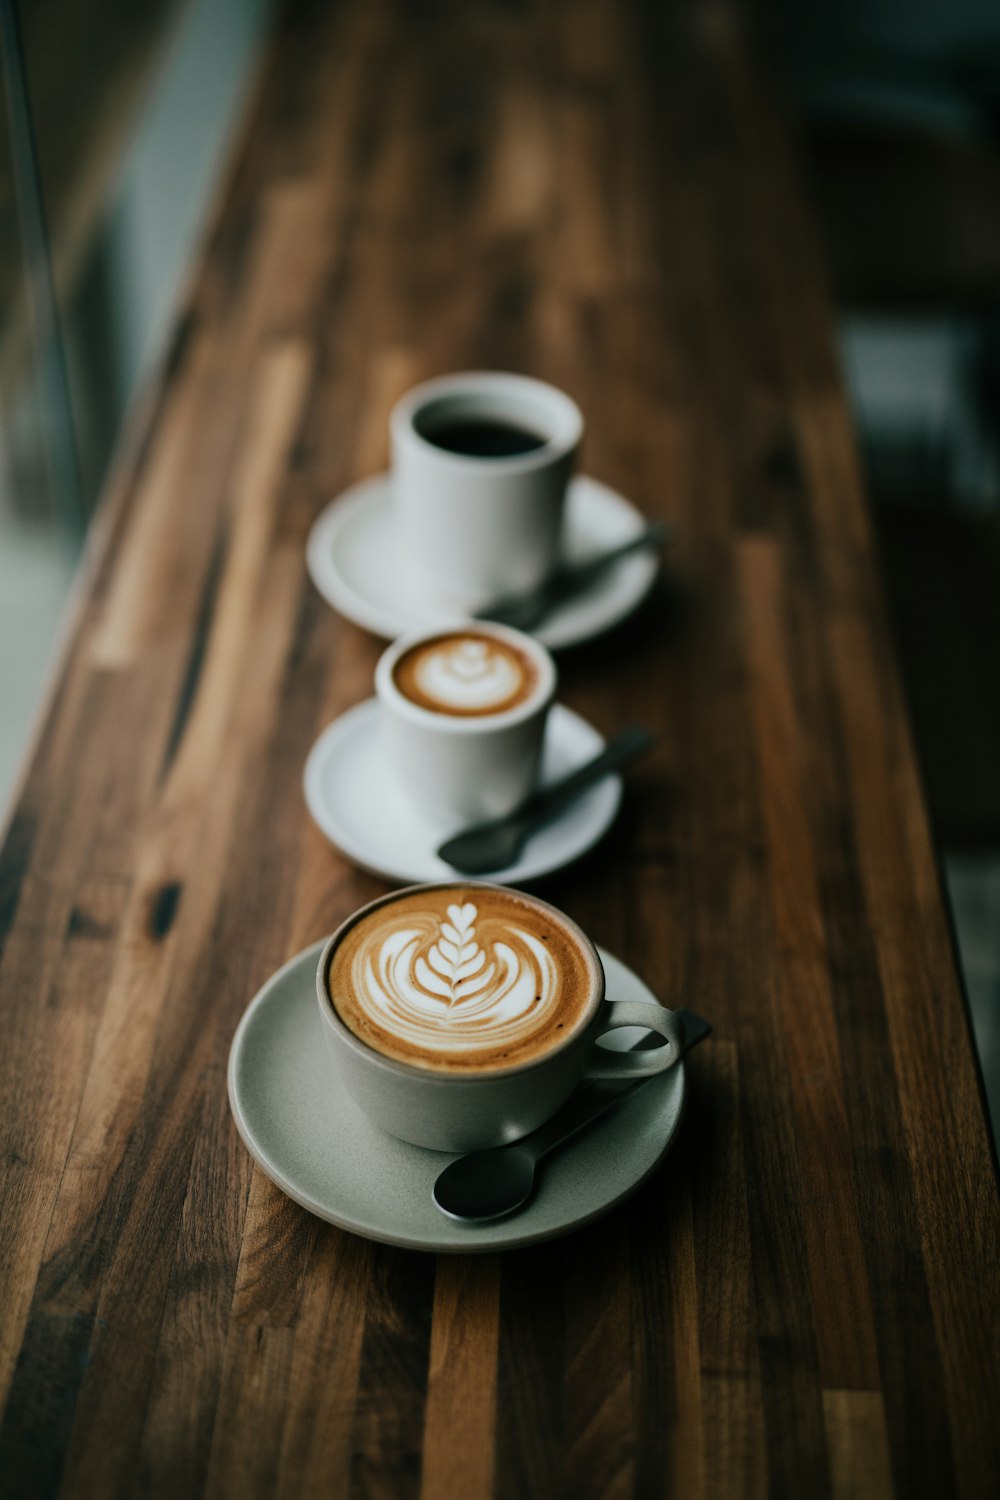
473,1111
465,769
476,527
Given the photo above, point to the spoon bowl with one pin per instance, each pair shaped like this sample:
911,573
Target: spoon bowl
496,844
485,1187
488,1185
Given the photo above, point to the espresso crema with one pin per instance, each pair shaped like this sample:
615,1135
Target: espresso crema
464,673
462,979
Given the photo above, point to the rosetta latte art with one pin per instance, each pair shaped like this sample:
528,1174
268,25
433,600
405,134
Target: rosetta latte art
440,985
469,673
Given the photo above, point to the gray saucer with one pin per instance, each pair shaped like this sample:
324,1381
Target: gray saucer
318,1147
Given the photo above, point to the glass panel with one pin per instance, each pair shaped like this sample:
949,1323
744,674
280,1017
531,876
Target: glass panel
36,557
130,108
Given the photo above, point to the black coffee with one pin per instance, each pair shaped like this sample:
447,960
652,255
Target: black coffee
480,438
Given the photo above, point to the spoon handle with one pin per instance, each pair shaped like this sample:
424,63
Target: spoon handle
588,1103
464,850
593,1099
625,746
574,575
526,609
491,1184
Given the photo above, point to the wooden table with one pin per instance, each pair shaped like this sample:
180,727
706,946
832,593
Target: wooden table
803,1299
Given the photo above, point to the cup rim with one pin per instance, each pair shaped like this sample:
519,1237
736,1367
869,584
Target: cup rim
391,696
403,427
442,1076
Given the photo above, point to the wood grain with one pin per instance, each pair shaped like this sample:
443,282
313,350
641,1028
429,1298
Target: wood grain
460,1419
804,1299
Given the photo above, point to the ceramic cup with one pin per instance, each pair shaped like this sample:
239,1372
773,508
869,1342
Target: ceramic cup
447,1111
478,526
459,769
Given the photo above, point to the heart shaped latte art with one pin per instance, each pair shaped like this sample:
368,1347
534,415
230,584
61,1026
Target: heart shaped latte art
469,673
452,984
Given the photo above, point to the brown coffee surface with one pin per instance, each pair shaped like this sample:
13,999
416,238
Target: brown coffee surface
466,673
463,979
483,438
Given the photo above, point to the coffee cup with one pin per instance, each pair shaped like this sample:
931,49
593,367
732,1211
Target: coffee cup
463,718
461,1016
480,465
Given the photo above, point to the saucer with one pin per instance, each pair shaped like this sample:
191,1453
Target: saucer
354,799
310,1138
355,562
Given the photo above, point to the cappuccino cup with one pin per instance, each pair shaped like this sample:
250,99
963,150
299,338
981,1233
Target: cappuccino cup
464,710
480,465
461,1015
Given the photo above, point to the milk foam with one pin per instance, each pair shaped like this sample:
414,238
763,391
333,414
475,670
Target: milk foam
468,673
431,982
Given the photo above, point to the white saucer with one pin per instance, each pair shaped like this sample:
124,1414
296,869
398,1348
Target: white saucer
354,799
310,1138
354,561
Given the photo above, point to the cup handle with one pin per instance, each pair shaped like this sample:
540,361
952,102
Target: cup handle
641,1063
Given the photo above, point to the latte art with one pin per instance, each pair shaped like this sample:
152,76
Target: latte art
446,979
435,986
468,674
464,674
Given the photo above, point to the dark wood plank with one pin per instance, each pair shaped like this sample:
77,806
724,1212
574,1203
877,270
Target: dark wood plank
532,1421
460,1419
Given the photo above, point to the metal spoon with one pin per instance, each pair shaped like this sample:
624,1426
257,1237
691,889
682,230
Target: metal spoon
487,1185
524,611
494,845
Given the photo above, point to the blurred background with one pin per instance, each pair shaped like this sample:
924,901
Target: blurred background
115,132
130,112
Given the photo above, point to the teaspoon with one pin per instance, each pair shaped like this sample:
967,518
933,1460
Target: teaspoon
525,611
488,1185
494,845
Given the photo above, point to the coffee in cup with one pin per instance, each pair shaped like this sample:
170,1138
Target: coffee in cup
461,1015
467,673
478,437
481,463
463,716
463,980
